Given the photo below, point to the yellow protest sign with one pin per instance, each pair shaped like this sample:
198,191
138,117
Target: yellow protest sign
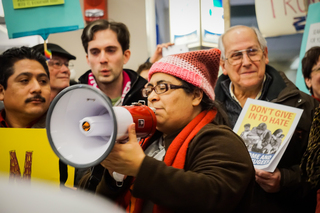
25,154
19,4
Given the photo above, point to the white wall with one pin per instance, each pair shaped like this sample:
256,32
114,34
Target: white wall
131,13
71,41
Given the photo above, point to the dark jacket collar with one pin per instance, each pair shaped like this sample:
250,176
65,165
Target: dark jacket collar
137,83
3,123
83,79
38,123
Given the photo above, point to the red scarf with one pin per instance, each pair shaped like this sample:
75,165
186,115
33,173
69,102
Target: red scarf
318,202
175,156
318,99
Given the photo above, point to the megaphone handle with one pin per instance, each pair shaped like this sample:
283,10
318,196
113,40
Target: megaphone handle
118,178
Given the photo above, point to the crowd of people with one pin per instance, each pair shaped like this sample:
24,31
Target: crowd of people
194,162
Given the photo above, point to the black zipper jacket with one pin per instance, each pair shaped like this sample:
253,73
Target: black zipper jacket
135,92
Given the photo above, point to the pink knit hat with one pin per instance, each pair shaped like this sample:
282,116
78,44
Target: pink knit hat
199,68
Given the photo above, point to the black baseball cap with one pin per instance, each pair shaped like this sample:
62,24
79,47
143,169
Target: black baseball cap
55,49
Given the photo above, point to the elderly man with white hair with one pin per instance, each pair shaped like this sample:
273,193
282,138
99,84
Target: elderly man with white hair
246,74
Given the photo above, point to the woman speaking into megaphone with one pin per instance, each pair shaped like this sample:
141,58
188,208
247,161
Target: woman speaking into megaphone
193,163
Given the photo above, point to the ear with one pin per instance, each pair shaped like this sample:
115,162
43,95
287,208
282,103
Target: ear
2,91
222,65
308,82
197,97
126,56
87,59
266,55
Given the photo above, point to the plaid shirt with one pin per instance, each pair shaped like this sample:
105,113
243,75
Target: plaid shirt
3,123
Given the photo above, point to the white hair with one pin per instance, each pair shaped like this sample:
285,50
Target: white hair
262,41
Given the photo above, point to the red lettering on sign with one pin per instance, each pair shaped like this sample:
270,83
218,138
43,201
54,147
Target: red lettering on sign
286,2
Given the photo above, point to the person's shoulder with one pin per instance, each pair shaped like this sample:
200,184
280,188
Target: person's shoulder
135,78
222,82
217,129
137,84
84,77
73,82
221,78
219,136
132,74
292,88
311,101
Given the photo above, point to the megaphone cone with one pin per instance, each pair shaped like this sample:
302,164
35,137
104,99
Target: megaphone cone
82,126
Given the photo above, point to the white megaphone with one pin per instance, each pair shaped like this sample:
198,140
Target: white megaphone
82,126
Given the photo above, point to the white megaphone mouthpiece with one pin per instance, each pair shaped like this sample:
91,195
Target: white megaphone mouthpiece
82,126
95,125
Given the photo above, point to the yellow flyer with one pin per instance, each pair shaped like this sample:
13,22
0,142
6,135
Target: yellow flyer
19,4
266,129
26,154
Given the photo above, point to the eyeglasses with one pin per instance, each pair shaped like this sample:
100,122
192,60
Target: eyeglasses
253,54
159,89
58,64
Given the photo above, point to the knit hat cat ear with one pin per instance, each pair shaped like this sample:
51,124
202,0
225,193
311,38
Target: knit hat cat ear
199,68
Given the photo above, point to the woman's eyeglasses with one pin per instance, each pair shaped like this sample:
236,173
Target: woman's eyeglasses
160,88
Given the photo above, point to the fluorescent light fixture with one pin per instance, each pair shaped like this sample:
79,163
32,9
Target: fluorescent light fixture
295,64
1,9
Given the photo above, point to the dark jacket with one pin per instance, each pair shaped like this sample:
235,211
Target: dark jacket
134,94
218,175
295,194
1,105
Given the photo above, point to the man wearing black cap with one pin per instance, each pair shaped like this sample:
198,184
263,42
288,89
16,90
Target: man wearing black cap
59,67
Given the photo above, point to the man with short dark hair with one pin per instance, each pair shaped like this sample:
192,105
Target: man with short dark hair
244,62
143,69
24,88
107,47
25,92
59,67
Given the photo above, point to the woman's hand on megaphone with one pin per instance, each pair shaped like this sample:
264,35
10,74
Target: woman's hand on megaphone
125,158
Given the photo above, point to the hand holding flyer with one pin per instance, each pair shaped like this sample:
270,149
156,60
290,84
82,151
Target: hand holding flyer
266,129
